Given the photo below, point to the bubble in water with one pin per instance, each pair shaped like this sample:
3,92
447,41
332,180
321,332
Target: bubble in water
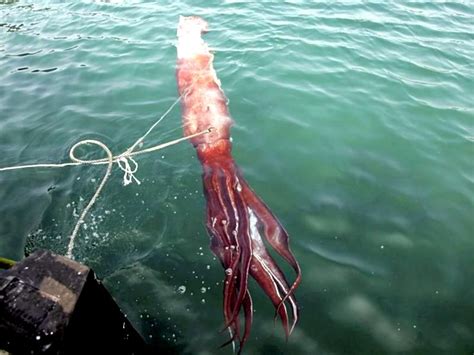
181,289
208,267
203,301
228,271
203,290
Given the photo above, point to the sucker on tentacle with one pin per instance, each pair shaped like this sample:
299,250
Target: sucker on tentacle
238,221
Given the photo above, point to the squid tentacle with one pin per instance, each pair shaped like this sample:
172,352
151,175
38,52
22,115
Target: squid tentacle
269,275
238,222
274,233
244,247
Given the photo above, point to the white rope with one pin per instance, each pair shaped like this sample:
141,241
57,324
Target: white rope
128,172
97,192
123,161
103,161
142,138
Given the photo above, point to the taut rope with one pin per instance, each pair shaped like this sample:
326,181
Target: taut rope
123,161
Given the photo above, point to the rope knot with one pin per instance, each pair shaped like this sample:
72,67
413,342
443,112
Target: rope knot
123,161
128,171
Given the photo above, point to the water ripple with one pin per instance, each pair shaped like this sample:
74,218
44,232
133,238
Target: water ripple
352,120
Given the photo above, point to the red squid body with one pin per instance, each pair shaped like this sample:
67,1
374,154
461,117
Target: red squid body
238,221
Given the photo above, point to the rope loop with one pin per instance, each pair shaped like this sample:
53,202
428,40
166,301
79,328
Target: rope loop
75,159
123,161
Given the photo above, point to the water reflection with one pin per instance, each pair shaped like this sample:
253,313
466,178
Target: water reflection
110,1
12,27
7,2
358,310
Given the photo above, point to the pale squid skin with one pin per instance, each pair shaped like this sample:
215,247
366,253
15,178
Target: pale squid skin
238,221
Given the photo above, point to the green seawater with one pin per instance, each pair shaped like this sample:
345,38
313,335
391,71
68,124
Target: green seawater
354,121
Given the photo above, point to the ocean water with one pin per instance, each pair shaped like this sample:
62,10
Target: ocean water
354,121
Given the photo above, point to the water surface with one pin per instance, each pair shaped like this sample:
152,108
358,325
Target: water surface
353,121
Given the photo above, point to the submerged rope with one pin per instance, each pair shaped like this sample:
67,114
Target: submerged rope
83,215
123,161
